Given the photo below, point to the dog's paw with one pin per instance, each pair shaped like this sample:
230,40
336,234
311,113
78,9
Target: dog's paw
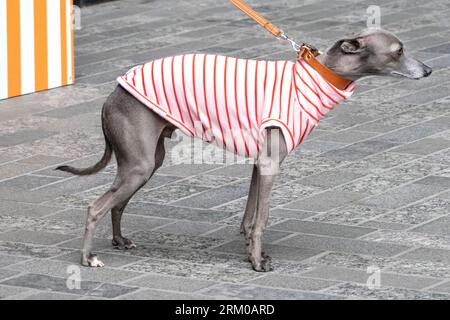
92,261
265,265
122,243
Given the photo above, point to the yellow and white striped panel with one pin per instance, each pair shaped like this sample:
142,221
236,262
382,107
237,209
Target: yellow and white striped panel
36,46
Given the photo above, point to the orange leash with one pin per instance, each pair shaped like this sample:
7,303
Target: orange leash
263,22
306,51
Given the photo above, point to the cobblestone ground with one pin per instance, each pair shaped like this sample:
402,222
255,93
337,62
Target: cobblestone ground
369,189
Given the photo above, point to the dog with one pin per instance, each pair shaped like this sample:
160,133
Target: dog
135,125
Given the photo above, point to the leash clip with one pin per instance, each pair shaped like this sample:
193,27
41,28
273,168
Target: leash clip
297,48
295,45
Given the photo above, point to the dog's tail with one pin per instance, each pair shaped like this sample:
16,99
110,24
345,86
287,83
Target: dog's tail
96,167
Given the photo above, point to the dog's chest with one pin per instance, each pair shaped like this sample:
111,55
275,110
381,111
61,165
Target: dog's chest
230,102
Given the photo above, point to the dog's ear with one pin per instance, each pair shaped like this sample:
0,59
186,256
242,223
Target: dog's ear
352,46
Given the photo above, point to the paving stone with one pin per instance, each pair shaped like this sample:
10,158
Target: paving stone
20,137
23,236
234,232
42,159
416,132
174,212
420,212
291,191
358,291
209,180
294,283
30,250
329,179
350,261
360,150
51,283
6,260
175,240
170,283
428,254
206,258
373,184
316,203
257,293
379,162
214,197
187,228
386,279
445,288
185,170
49,296
409,238
192,270
319,147
289,213
276,251
4,274
13,169
28,182
74,110
322,229
404,195
385,225
344,245
110,259
420,268
7,292
130,223
235,170
440,226
61,269
151,294
351,214
424,146
169,193
236,220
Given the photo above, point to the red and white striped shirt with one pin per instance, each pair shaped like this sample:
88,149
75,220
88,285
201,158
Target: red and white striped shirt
230,101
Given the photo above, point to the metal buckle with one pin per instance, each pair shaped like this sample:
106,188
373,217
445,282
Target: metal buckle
311,49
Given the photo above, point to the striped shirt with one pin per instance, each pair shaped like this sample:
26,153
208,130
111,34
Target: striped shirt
229,102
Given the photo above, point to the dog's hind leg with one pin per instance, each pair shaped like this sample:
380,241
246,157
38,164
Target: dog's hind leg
134,133
119,241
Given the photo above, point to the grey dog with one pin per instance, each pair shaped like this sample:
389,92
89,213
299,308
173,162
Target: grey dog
136,136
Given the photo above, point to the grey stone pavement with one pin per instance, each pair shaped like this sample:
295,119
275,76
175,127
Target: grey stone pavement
369,189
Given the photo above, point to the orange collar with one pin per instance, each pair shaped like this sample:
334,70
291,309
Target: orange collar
329,75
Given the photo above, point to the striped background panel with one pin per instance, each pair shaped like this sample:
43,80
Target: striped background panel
36,46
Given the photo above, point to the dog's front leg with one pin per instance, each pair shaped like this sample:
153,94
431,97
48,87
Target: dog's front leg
250,209
267,166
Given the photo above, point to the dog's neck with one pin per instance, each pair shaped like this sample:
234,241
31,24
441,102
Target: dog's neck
323,59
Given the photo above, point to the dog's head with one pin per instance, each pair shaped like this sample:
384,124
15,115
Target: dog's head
373,52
